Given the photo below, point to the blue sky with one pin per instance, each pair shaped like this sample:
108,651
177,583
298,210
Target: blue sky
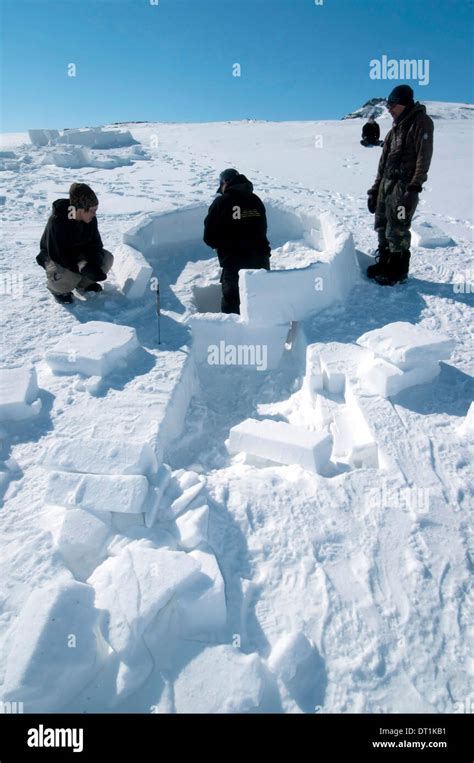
173,61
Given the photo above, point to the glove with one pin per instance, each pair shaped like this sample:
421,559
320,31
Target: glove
93,272
409,200
371,203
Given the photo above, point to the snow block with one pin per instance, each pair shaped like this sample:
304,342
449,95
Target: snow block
220,680
313,378
92,349
43,137
73,158
133,587
96,456
18,393
407,345
55,652
82,541
282,442
383,378
280,296
202,607
466,428
429,236
353,439
121,494
225,340
193,527
98,138
132,271
290,653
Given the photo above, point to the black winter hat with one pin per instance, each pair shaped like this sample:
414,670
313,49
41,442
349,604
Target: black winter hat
227,175
402,94
82,196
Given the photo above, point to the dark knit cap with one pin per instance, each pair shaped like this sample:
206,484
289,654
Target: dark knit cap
402,94
82,196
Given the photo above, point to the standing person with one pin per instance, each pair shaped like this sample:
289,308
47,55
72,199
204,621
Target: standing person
236,225
403,168
72,252
371,133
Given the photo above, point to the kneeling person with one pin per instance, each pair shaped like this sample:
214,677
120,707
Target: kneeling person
236,226
72,252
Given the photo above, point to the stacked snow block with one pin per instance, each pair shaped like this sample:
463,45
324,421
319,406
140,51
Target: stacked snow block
97,138
18,393
132,271
282,442
402,355
100,476
330,370
280,296
92,349
43,137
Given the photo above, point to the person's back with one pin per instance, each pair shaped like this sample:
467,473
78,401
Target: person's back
371,133
236,226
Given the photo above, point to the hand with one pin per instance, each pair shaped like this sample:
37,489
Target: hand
409,201
371,203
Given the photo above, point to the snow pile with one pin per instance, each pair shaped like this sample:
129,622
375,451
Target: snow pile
92,349
75,157
132,271
193,527
282,442
18,393
55,651
202,607
403,355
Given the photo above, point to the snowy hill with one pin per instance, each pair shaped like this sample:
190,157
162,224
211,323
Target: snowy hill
289,535
376,107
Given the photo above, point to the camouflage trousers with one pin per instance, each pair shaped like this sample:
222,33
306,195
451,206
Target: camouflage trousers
61,280
392,218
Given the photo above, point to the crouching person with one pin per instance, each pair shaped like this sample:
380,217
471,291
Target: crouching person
236,226
72,252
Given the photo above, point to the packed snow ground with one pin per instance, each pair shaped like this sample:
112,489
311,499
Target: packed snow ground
273,588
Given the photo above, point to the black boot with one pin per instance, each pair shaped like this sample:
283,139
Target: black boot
381,261
396,270
64,299
94,287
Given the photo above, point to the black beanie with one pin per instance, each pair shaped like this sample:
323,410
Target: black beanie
82,196
402,94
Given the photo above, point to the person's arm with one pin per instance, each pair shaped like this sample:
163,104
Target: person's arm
424,152
375,188
211,225
377,131
96,239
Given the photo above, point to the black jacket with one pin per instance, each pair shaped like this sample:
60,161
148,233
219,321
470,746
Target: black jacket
371,132
236,225
67,241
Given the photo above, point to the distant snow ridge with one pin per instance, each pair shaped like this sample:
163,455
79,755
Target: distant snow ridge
377,107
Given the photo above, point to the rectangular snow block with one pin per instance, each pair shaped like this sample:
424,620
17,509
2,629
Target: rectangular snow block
121,494
18,393
225,340
45,669
92,349
97,138
353,439
281,296
407,345
132,271
313,378
384,379
95,456
429,236
43,137
282,442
